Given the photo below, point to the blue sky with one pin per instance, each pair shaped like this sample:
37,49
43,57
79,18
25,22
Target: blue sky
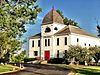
85,12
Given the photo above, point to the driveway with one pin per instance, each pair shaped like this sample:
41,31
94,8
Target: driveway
37,69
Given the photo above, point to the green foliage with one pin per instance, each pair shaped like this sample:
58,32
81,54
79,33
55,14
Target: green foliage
70,22
14,14
95,53
76,52
20,57
66,20
8,45
82,54
87,70
98,29
29,59
5,68
56,60
60,12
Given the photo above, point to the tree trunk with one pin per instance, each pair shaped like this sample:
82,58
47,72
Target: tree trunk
86,63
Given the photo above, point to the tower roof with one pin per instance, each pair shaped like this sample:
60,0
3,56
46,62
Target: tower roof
52,17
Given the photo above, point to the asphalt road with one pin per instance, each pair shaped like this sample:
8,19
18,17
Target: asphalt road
34,69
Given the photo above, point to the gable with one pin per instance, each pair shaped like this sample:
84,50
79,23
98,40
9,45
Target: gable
73,29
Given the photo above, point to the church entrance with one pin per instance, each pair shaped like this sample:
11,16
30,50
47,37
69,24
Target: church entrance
47,55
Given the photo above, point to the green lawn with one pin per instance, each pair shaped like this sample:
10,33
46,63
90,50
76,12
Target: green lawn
87,70
82,70
4,68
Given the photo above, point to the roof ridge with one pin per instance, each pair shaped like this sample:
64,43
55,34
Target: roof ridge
35,35
72,29
89,34
62,30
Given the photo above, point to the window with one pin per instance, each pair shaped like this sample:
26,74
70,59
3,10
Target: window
58,41
47,29
35,53
33,43
48,42
85,44
45,42
89,45
38,43
77,39
57,53
55,28
65,53
65,40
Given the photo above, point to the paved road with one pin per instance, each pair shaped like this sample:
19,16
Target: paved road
42,70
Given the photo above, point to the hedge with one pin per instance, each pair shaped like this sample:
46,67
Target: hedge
56,60
29,59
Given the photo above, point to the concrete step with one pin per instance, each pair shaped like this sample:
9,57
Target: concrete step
44,62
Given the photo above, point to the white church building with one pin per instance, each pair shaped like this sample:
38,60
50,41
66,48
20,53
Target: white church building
56,37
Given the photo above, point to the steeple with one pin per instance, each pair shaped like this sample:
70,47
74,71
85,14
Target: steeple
52,17
52,11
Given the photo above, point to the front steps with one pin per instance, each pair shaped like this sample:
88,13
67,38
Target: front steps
39,62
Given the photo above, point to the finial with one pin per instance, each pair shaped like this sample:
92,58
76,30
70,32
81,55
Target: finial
52,7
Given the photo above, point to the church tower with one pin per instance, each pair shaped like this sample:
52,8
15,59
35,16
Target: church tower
51,23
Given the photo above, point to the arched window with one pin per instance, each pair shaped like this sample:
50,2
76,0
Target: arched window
55,28
47,29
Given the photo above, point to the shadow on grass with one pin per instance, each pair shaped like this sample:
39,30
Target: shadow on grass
88,71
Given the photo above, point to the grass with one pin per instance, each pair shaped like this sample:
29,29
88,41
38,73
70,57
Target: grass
5,68
87,70
82,70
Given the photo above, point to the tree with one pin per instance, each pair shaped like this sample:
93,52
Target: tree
78,53
83,54
95,53
60,12
70,22
20,57
98,29
66,20
14,15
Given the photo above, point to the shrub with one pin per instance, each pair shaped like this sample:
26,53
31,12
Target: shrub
56,60
2,61
82,63
29,59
